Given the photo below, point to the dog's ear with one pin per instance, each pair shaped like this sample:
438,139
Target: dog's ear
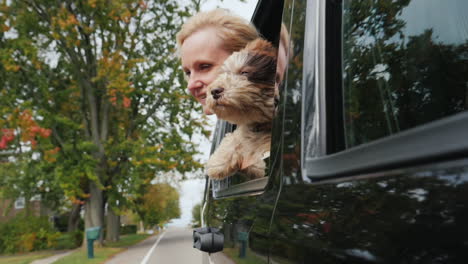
260,66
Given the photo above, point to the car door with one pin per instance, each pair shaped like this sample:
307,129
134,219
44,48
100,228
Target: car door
374,157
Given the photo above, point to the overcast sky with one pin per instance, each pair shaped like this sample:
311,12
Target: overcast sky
191,191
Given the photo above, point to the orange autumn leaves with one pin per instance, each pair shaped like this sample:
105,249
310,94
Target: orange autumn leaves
27,128
8,135
30,129
51,154
113,70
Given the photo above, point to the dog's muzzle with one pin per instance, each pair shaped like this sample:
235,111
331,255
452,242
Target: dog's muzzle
217,92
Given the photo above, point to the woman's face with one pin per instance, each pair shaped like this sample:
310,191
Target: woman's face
202,54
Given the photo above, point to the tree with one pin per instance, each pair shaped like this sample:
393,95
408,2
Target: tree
196,215
408,74
102,81
159,204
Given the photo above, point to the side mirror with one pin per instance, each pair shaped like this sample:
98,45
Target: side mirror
208,239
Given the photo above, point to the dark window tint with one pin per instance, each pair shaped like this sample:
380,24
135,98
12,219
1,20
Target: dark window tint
405,63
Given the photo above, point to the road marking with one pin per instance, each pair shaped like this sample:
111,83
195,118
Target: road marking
145,260
209,259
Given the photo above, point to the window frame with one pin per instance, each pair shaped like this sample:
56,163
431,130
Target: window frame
252,187
20,203
313,59
436,141
432,142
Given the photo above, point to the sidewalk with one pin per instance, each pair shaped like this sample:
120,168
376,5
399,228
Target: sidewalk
53,258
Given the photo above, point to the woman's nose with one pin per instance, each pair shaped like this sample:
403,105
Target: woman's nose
193,84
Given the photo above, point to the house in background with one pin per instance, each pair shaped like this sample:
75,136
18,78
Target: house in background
10,208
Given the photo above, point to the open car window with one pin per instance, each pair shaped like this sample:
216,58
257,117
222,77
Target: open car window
266,18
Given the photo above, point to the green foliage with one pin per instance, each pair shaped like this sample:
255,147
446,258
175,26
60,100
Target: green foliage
69,240
101,86
159,204
128,229
27,233
196,215
30,233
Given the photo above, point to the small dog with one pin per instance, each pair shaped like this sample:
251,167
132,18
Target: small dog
244,94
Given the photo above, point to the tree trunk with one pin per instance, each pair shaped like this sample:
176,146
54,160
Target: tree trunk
142,227
74,218
112,225
94,211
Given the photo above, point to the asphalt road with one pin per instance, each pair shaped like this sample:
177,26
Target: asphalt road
173,246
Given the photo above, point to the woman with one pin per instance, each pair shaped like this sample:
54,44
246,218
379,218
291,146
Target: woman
205,41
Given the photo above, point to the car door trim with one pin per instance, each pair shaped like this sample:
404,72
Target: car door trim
419,145
253,187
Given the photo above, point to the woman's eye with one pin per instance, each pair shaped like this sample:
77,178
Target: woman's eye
187,73
245,73
205,66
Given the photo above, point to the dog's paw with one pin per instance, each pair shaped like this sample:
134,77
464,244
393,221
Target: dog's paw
217,172
225,161
221,165
255,171
220,169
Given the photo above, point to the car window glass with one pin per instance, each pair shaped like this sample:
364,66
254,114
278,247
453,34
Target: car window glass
311,142
291,92
405,63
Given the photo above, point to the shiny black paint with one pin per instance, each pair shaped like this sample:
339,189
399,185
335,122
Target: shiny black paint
244,215
415,214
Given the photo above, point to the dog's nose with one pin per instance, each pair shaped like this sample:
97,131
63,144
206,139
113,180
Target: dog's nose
217,92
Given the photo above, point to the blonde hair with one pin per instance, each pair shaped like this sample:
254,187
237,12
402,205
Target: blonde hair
234,31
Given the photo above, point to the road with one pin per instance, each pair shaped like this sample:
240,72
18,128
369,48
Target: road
173,246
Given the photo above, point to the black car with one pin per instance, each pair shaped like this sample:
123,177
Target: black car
369,152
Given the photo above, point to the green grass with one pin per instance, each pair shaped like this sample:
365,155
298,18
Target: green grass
103,253
81,256
250,258
127,240
24,259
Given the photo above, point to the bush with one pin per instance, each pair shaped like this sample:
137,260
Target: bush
128,229
61,222
69,240
27,233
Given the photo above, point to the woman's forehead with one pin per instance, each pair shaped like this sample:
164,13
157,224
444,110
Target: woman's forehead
204,44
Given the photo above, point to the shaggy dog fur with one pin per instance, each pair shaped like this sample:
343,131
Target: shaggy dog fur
244,94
